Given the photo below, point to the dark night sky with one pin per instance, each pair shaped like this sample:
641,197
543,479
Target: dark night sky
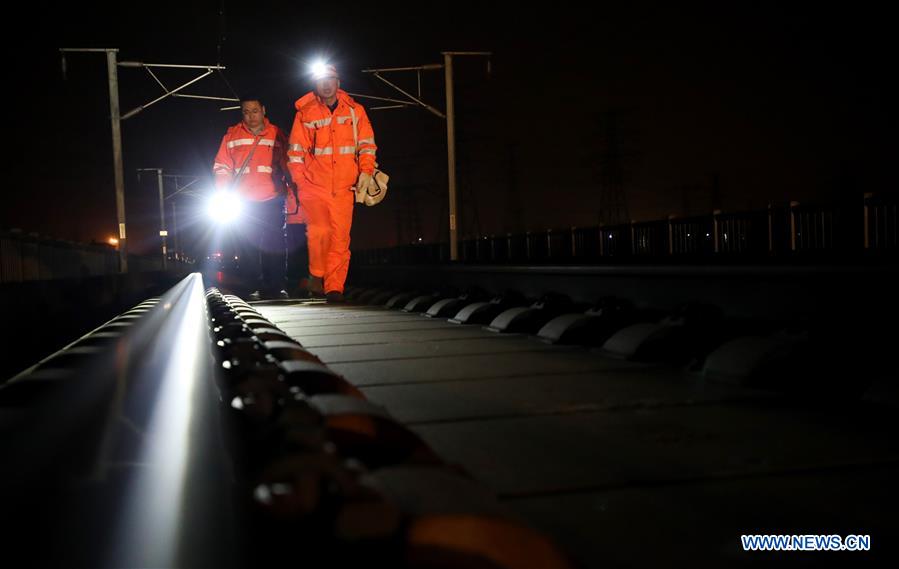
777,103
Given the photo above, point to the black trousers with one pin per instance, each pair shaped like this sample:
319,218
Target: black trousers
297,254
261,246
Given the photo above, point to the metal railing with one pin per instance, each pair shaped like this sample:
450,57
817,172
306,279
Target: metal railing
791,232
881,224
31,257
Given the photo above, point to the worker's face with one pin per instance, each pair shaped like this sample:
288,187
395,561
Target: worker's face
253,113
327,87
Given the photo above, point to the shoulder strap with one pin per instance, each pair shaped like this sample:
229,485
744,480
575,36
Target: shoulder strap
245,162
355,133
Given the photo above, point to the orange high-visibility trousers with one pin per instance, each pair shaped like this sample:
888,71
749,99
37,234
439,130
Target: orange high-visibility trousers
329,218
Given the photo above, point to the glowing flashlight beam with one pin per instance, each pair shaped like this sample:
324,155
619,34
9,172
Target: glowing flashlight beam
224,207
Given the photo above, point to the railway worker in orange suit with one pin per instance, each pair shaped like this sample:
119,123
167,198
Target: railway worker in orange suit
331,151
252,161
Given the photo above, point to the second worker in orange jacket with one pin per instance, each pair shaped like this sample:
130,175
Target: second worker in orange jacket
326,160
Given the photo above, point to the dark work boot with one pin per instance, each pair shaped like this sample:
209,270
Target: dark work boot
335,297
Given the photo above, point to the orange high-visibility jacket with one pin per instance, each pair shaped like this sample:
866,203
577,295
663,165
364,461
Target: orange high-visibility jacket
263,177
322,153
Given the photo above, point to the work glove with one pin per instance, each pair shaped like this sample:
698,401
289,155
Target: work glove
362,185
